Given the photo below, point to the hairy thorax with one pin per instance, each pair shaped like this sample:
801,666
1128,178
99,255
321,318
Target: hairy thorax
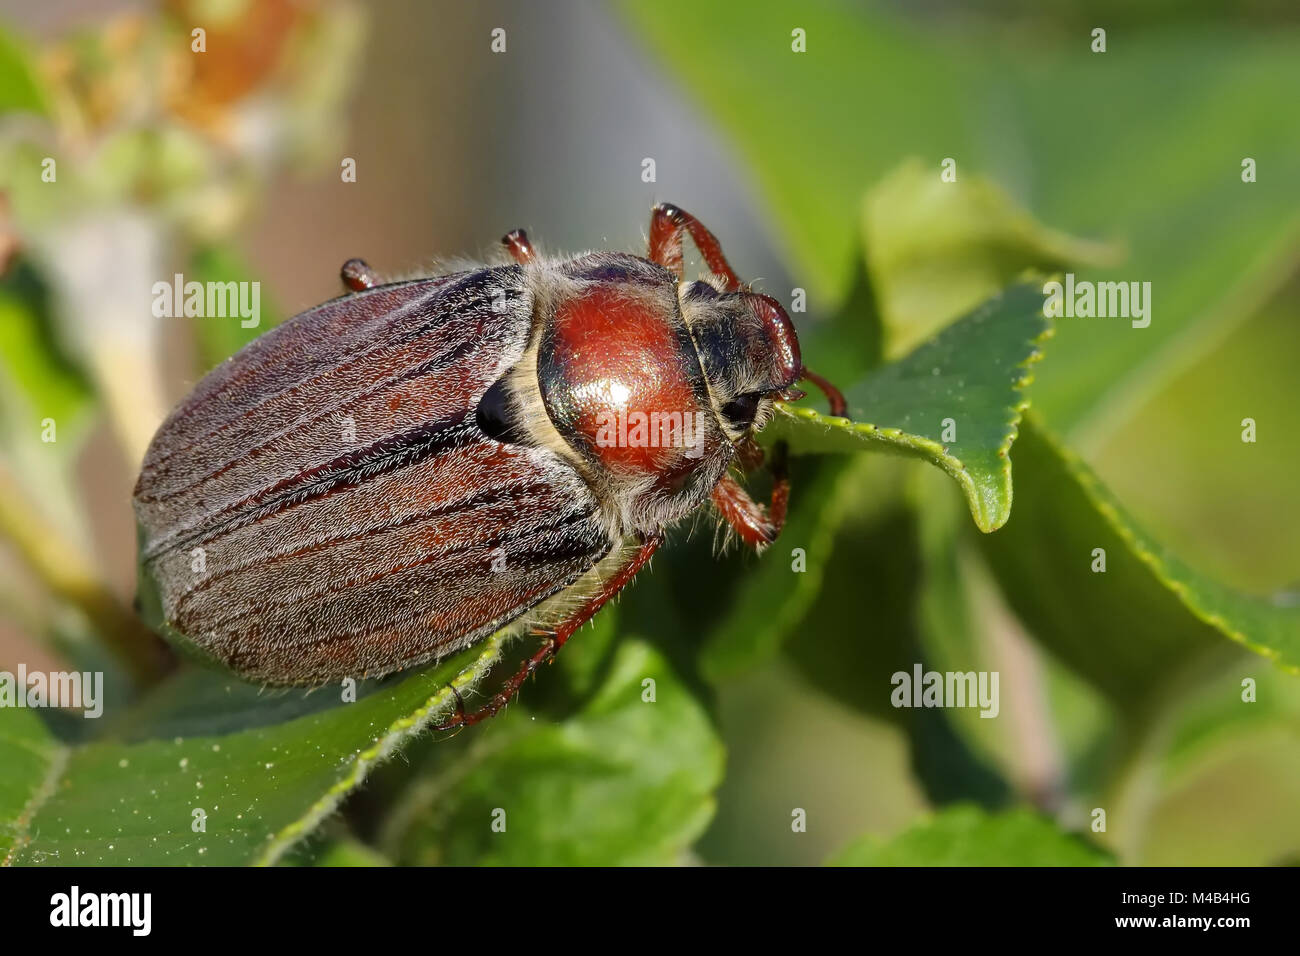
622,388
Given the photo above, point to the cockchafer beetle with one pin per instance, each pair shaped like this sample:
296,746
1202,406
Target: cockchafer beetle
398,473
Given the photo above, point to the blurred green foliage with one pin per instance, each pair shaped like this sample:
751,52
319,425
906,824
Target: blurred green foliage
963,836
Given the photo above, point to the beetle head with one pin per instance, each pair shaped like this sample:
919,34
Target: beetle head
748,350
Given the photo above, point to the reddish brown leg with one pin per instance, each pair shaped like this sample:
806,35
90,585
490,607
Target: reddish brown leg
667,225
517,242
756,525
357,276
558,636
839,408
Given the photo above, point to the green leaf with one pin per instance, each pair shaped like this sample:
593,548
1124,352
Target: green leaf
1145,619
1226,505
973,373
261,788
621,781
1099,145
935,249
967,836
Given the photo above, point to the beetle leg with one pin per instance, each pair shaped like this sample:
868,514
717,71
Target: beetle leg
516,240
839,408
357,276
559,635
667,225
756,525
460,709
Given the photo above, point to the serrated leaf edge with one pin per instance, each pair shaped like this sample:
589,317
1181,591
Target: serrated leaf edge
1140,543
988,517
398,732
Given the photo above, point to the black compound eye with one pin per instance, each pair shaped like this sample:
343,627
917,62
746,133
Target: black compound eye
740,411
